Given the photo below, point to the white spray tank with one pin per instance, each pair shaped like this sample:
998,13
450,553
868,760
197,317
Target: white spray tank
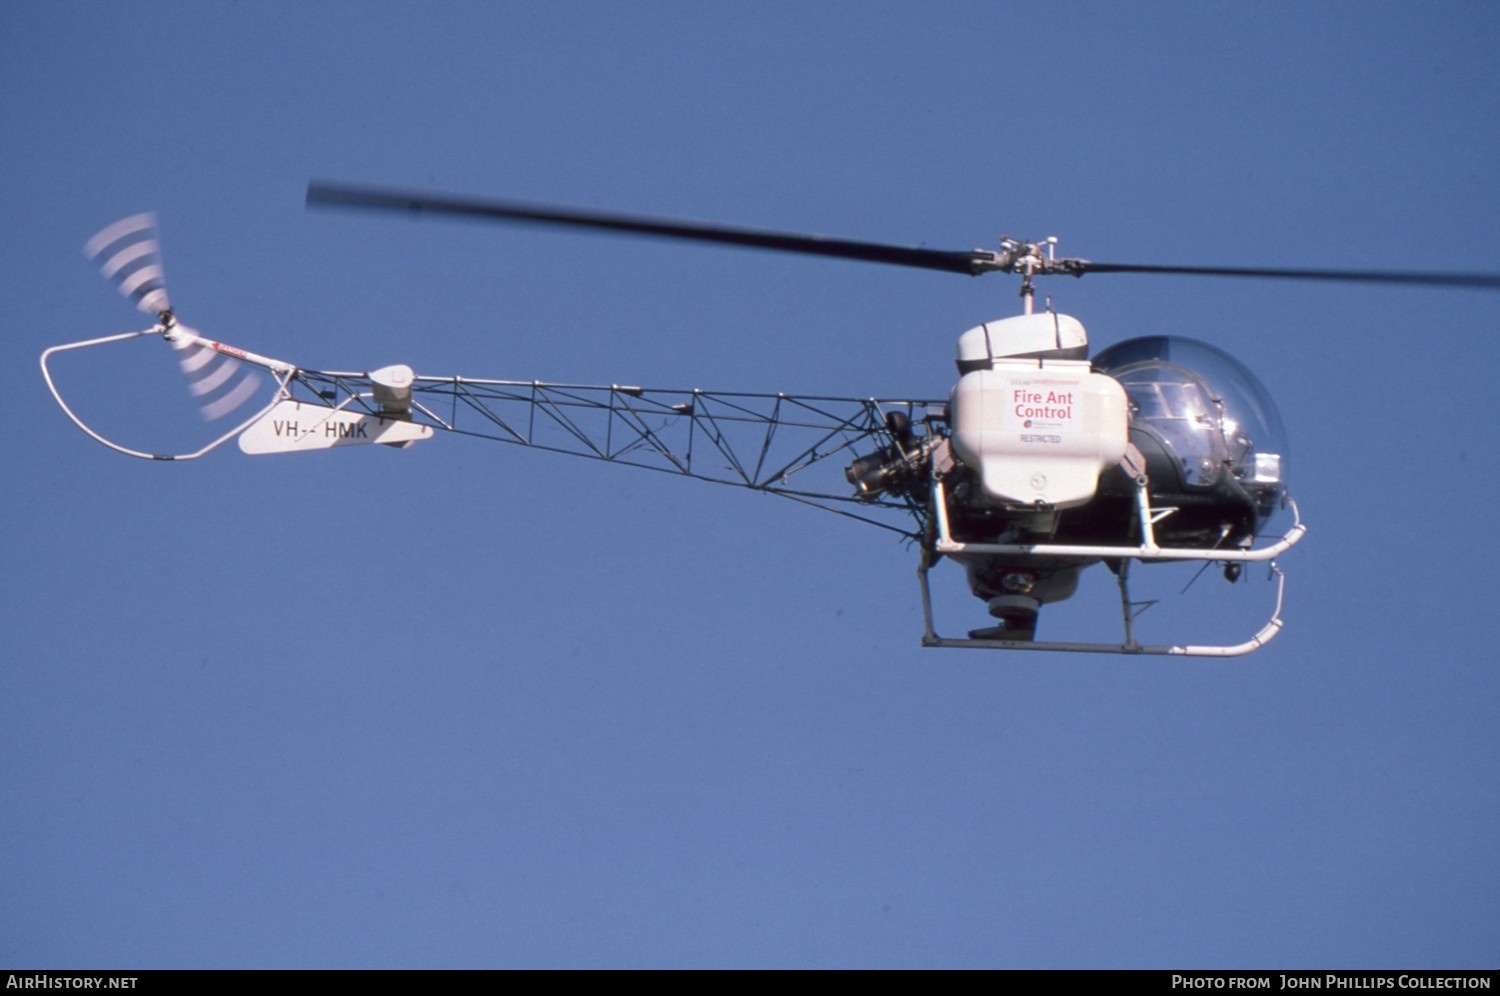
1030,416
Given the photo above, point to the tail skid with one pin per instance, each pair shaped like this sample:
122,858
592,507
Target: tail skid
283,371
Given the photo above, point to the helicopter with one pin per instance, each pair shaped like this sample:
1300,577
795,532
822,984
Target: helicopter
1041,463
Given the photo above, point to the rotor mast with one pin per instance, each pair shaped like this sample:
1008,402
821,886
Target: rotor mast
1027,259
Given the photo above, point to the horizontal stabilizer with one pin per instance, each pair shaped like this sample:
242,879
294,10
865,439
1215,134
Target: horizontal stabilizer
293,427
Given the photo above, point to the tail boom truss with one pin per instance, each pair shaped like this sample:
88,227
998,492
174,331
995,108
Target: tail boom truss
780,444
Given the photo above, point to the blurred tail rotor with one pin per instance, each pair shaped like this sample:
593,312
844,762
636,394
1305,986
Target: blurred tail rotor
128,253
210,374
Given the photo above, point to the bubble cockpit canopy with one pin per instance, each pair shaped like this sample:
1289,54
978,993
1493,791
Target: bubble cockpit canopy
1207,410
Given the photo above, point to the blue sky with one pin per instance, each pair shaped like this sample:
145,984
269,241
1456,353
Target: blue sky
465,705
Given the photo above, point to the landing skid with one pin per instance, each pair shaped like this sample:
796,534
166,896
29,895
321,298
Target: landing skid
1147,551
1128,645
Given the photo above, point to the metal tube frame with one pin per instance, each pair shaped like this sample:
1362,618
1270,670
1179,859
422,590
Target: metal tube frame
775,444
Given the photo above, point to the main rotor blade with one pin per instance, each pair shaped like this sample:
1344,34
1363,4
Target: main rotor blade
971,262
1476,281
339,195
